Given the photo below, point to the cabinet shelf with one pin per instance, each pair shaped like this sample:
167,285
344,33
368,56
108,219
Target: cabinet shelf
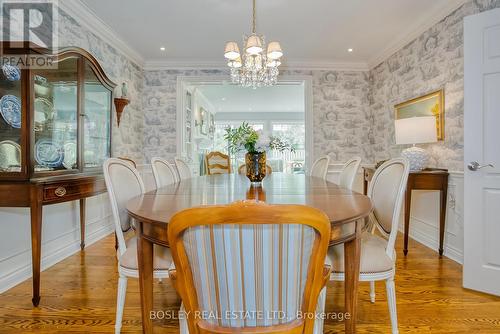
63,123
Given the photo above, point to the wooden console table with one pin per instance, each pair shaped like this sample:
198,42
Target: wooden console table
428,179
49,190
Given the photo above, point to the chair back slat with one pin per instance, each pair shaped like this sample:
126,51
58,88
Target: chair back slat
250,257
217,163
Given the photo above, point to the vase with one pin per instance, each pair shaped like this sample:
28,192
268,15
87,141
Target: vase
255,164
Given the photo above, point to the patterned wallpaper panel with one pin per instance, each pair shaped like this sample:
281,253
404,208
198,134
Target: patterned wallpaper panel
127,139
431,62
353,111
341,120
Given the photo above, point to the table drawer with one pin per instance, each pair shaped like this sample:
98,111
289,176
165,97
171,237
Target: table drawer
68,191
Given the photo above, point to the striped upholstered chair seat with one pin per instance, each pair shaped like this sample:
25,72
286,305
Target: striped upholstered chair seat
248,276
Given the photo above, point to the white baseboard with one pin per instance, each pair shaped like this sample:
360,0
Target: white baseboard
65,248
430,242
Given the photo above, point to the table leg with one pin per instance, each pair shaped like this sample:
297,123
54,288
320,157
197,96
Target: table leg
82,223
442,220
407,219
352,254
36,209
145,258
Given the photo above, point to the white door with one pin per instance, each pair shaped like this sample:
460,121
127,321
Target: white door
482,153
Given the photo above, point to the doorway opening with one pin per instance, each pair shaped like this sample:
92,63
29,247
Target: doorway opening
207,107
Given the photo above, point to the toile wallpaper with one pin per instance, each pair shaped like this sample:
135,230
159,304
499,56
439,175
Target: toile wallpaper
127,139
341,119
431,62
353,111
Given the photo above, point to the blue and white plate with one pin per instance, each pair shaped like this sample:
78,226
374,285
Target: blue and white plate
12,73
10,109
48,153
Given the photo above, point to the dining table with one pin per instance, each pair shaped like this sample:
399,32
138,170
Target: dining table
346,210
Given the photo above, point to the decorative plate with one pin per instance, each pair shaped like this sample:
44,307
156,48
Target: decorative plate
12,73
48,153
44,111
10,155
10,109
69,155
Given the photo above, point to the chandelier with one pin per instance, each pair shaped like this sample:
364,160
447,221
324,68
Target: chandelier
255,67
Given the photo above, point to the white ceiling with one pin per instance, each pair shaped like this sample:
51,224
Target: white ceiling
311,32
231,98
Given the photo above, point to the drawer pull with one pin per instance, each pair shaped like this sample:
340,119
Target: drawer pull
60,191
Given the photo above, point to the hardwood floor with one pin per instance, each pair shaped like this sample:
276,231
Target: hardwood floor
79,296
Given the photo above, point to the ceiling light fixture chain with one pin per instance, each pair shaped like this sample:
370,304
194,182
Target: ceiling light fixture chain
254,23
255,67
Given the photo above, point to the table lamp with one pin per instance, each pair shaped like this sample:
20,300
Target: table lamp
416,130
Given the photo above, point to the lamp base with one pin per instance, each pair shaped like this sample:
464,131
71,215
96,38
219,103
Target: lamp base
418,158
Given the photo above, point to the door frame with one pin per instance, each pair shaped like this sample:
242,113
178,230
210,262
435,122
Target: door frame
305,80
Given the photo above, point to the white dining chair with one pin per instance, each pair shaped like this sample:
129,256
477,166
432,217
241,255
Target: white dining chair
320,167
124,183
349,172
253,257
378,257
164,173
183,169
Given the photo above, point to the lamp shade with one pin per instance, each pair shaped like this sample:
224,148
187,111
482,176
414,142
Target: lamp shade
231,51
416,130
254,45
274,50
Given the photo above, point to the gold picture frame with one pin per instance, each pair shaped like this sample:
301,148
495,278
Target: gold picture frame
431,104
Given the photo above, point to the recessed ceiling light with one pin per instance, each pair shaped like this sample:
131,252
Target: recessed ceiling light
223,99
350,50
162,48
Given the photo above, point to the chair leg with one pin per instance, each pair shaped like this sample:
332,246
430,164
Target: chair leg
372,291
120,302
391,300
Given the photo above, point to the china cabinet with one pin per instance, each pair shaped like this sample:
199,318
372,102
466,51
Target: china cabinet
55,133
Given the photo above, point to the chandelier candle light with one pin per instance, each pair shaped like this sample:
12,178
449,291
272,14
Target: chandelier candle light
254,68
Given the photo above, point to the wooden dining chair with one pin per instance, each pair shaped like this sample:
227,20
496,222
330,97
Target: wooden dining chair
123,183
250,257
217,163
349,172
183,170
164,173
243,170
320,167
378,257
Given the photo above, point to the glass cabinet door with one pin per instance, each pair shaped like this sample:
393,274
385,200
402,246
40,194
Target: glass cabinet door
97,115
55,107
10,119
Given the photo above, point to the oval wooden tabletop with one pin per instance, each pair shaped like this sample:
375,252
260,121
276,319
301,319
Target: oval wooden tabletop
339,204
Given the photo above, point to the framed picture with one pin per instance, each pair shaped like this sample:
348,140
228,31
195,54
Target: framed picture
428,105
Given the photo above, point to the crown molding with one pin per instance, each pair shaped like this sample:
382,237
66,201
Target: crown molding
88,19
414,31
157,65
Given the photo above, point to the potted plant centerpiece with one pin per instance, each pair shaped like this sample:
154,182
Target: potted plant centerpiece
255,143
